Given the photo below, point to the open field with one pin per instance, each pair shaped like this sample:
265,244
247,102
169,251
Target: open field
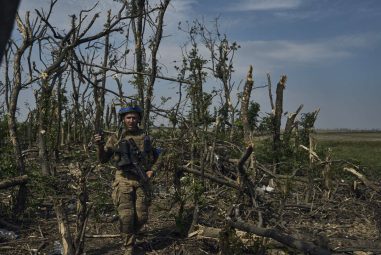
361,148
353,136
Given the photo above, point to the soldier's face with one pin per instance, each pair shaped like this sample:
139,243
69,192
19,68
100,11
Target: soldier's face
131,120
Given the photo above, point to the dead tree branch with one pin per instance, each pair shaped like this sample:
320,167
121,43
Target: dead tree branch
245,105
212,177
304,246
362,178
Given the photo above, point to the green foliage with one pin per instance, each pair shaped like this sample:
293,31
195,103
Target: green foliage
7,162
253,114
266,124
360,153
307,122
43,186
263,150
100,196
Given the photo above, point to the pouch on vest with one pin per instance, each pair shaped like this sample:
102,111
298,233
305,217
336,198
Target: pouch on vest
125,154
147,144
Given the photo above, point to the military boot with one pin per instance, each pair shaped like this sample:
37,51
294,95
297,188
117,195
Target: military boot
129,250
129,244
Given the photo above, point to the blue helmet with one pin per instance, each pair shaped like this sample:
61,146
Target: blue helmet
128,109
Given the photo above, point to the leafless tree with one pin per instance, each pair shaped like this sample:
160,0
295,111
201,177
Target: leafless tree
30,33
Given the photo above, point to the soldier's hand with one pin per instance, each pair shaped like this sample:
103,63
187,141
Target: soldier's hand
149,174
98,139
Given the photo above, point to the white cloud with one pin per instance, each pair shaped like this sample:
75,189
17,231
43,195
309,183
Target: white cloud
264,5
337,48
182,6
296,52
63,9
177,11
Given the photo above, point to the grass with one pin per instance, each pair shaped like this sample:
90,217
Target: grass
360,148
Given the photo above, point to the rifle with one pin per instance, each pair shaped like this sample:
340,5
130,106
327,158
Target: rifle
136,157
130,155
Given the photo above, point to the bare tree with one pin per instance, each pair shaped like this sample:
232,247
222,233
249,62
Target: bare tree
99,93
222,53
154,49
29,34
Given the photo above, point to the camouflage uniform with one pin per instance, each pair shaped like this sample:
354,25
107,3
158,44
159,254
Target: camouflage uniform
130,196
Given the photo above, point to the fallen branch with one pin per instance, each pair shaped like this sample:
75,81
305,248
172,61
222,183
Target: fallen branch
312,153
225,181
14,181
204,232
103,236
362,178
304,246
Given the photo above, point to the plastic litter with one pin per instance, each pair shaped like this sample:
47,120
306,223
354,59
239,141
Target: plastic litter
57,248
7,235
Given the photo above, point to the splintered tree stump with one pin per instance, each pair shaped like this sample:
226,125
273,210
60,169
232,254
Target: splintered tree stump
64,230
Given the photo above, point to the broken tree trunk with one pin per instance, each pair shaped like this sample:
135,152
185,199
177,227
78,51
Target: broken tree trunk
290,124
245,105
82,209
270,93
304,246
328,175
64,230
278,119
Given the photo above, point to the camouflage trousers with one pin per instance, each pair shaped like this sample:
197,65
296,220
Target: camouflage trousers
131,200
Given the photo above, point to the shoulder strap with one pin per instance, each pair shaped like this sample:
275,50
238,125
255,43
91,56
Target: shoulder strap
147,143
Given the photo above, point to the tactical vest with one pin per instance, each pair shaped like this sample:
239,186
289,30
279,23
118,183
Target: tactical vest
125,153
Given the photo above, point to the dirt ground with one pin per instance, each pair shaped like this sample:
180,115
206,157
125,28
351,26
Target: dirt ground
347,223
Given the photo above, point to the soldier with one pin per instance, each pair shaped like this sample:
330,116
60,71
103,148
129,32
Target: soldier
134,156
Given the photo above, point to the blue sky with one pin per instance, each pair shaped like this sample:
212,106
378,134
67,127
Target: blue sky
329,49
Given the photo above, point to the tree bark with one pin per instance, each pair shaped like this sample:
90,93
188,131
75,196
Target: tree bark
82,211
290,124
99,93
64,230
278,120
59,119
270,93
245,105
137,27
44,106
12,127
152,78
